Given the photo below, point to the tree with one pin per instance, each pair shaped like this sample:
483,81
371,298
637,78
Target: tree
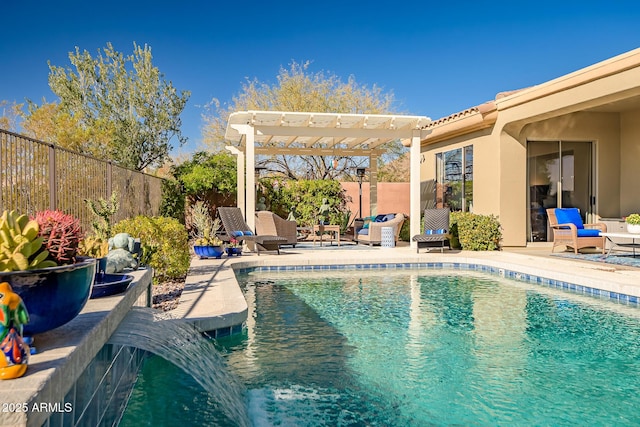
126,98
298,89
50,123
11,112
206,172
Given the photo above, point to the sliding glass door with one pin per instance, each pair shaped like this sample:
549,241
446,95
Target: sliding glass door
559,174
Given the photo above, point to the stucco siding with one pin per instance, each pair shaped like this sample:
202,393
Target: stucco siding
629,163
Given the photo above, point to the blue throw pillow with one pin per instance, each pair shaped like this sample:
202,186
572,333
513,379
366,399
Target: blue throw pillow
588,232
569,216
438,231
379,218
388,217
364,231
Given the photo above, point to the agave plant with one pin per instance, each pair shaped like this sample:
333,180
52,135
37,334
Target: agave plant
21,247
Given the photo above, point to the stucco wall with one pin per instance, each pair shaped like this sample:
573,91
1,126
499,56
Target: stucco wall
393,197
629,166
604,130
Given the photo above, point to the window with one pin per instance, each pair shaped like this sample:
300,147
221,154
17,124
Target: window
454,179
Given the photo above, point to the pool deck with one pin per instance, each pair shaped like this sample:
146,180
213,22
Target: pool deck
212,299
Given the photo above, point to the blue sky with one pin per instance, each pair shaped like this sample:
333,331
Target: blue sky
436,57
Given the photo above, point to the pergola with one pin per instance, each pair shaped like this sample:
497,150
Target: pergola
268,133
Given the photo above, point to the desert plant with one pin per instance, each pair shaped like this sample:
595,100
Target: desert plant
204,227
103,210
61,234
165,244
20,244
93,247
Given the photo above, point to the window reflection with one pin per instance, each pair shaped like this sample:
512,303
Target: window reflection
454,179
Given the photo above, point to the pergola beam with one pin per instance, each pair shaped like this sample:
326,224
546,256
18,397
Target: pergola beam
302,133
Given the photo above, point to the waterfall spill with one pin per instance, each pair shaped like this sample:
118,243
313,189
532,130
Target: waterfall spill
185,347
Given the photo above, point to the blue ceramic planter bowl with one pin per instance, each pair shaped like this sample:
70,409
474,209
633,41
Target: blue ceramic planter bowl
110,284
208,251
53,296
234,251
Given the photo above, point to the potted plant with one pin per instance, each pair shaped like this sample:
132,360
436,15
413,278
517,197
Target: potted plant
206,243
38,258
233,247
633,223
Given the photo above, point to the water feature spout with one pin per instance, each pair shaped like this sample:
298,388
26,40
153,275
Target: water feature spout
185,347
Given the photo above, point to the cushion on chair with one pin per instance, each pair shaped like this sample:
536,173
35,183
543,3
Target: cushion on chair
438,231
588,232
364,231
389,217
569,216
241,233
380,218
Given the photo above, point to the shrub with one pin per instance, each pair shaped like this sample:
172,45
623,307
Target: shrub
167,242
405,231
172,204
475,232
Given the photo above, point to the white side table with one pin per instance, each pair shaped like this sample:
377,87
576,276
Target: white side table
387,237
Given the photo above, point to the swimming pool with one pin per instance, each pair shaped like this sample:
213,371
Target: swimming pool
404,348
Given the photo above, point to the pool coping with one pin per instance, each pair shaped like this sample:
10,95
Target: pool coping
64,353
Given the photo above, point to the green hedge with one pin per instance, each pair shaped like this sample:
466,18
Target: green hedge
474,232
164,239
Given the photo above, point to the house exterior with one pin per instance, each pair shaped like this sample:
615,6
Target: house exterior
570,142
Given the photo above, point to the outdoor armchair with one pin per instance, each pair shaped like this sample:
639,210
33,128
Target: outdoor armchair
374,229
570,231
268,223
436,229
236,227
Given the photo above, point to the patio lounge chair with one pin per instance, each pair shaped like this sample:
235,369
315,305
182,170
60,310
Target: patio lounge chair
235,227
268,223
568,230
436,229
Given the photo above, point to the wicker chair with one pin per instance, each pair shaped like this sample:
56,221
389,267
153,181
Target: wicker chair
436,229
374,236
235,227
268,223
572,233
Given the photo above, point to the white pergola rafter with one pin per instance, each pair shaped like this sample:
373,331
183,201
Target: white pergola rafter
325,134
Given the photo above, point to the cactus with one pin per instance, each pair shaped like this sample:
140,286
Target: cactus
20,245
61,235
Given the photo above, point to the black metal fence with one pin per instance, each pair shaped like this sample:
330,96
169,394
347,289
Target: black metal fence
36,176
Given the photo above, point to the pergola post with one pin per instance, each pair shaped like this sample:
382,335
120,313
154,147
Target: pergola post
373,184
414,187
240,198
250,214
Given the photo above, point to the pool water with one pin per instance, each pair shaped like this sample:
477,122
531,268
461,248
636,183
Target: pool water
415,348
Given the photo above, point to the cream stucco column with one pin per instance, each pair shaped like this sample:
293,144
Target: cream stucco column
250,214
414,187
373,184
240,198
250,192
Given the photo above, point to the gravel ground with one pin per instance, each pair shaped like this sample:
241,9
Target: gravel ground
166,295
